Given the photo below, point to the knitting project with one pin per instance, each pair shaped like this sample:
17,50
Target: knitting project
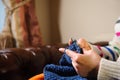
65,70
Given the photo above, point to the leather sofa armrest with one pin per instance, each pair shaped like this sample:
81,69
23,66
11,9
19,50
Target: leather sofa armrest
23,63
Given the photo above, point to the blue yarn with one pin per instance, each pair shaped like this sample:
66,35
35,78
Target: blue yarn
65,60
65,70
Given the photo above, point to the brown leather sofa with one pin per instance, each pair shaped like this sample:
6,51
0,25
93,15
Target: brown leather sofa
23,63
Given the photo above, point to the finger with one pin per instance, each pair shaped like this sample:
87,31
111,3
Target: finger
76,66
83,44
79,68
62,49
70,41
80,42
71,53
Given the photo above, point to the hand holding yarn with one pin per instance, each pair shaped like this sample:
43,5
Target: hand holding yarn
83,63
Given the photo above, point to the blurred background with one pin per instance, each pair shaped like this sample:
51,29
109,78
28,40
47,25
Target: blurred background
61,20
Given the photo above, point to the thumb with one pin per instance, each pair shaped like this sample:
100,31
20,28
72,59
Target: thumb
83,44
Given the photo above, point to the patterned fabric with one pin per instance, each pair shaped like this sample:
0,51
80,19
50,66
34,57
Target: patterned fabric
107,52
21,23
6,41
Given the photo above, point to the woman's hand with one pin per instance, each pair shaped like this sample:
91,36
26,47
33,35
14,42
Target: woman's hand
86,62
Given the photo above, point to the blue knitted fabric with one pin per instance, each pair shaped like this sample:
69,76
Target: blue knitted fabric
65,70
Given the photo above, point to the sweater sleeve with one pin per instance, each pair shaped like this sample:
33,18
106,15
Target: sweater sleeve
107,52
109,70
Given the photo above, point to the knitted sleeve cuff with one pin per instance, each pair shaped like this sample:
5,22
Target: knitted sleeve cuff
108,70
94,47
107,52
